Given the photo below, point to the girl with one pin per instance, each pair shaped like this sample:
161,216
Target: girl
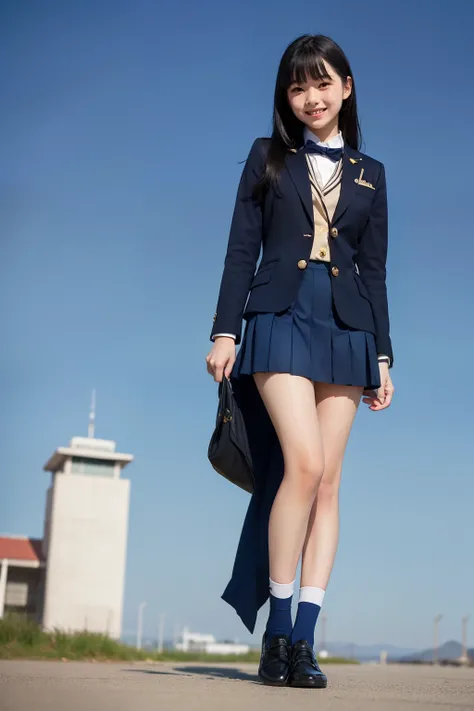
317,337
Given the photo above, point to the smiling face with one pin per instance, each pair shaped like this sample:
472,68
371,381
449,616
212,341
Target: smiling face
317,102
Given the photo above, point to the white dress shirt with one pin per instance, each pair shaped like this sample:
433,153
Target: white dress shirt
324,168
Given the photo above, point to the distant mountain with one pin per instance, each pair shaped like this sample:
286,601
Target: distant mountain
450,650
366,653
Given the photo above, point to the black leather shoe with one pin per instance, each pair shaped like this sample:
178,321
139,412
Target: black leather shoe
274,667
304,669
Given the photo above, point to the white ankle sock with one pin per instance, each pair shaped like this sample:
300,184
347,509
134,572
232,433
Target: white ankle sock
281,590
310,594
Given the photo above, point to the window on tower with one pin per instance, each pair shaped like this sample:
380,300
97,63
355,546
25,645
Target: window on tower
92,467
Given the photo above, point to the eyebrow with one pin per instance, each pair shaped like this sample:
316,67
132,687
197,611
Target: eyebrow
298,83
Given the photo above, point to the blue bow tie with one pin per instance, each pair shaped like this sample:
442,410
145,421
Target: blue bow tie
334,154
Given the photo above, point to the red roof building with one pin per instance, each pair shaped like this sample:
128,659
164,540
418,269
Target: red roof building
21,573
21,549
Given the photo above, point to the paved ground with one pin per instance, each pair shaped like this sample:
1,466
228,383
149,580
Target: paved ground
85,686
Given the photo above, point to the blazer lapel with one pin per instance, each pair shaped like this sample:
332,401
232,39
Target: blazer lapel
298,170
351,166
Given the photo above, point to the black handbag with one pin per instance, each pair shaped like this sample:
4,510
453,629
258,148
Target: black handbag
229,451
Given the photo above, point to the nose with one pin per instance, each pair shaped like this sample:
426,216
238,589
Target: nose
312,96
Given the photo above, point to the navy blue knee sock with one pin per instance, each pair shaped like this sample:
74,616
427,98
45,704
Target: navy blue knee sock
306,618
279,621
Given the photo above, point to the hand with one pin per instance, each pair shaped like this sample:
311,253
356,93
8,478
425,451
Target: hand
381,398
221,358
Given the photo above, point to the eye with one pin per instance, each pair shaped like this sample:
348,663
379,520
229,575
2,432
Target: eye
324,84
294,89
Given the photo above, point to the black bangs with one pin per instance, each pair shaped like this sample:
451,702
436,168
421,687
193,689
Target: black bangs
306,64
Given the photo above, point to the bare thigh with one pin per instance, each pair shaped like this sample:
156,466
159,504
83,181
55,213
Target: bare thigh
336,407
291,404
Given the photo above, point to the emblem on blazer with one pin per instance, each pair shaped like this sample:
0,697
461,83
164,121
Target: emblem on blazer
361,181
355,160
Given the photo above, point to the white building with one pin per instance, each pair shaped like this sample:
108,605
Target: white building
196,642
85,537
74,578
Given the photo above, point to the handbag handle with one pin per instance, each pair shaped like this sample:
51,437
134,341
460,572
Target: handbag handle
225,395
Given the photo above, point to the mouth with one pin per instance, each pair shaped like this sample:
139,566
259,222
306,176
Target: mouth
315,113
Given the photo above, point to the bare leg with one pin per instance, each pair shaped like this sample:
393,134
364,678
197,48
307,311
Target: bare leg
336,409
291,404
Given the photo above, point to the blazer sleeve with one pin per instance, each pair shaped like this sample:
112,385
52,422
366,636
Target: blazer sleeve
371,261
243,248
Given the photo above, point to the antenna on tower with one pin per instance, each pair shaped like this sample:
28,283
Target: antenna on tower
91,430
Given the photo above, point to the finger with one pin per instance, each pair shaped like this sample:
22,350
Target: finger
369,400
382,405
228,368
218,373
388,399
373,403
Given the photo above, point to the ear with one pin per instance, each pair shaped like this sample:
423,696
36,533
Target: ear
347,91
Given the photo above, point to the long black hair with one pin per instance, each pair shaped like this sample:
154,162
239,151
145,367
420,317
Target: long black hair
304,58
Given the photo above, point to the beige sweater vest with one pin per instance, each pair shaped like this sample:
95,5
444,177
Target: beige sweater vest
325,199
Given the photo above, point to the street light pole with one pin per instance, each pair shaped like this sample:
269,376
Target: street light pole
324,620
464,657
160,632
436,638
141,607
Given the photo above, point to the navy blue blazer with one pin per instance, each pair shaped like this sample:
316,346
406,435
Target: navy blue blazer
283,226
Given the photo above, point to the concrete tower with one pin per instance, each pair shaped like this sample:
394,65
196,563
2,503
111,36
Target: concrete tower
85,535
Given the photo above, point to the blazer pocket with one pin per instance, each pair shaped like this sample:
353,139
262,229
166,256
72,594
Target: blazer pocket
363,199
263,275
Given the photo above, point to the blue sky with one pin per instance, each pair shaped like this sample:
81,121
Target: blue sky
122,127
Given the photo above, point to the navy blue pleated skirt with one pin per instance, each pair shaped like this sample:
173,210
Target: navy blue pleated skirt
308,339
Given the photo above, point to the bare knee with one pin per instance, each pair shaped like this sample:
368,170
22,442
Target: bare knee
305,472
328,490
